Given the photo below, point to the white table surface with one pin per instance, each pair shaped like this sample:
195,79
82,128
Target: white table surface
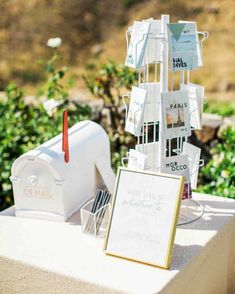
41,256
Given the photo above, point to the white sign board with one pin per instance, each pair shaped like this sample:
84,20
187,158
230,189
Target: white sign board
144,215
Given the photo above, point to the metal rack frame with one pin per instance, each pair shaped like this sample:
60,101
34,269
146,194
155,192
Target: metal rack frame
161,76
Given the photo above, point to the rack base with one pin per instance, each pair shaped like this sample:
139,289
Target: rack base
191,210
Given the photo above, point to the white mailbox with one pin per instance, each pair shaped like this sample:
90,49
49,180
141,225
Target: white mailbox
47,187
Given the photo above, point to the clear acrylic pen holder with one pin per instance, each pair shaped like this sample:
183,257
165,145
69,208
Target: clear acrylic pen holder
95,223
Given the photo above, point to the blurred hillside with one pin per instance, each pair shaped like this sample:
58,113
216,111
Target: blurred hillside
25,27
94,32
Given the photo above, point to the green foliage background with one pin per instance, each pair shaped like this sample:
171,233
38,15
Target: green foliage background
110,82
23,127
219,174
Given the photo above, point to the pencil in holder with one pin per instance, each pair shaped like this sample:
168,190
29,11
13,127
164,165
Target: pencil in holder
95,223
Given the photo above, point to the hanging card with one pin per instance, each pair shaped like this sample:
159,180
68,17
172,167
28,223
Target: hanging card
196,98
178,165
151,150
193,154
199,51
175,114
153,46
152,104
144,216
134,118
136,160
136,48
182,38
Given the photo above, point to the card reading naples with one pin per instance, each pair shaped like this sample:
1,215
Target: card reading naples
175,113
182,39
144,216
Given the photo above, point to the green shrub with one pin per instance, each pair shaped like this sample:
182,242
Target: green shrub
218,175
130,3
110,83
23,127
221,108
53,88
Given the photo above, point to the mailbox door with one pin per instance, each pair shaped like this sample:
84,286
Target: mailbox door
36,189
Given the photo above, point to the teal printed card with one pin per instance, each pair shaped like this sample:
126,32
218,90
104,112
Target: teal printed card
182,39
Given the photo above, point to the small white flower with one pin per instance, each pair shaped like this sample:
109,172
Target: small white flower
50,105
221,157
226,192
54,42
224,174
216,160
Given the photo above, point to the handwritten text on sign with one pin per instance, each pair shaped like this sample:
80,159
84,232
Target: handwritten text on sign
143,216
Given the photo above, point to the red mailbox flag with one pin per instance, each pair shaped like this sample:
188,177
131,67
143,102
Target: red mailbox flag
65,136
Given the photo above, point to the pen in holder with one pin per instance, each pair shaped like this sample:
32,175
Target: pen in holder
95,214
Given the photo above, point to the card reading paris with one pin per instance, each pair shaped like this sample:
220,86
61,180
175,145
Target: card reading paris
175,113
144,216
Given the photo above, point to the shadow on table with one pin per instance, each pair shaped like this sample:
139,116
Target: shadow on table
75,219
182,254
216,215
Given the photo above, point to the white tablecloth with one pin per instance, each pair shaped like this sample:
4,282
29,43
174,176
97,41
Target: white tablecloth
47,257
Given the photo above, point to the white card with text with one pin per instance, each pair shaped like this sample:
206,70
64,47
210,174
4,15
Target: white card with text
136,160
153,47
182,38
151,151
199,51
152,104
136,48
176,165
144,216
193,154
134,118
175,114
196,100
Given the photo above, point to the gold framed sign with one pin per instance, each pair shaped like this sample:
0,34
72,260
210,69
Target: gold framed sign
144,216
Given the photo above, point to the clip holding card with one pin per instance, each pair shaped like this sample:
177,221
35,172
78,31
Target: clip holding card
177,151
127,95
125,159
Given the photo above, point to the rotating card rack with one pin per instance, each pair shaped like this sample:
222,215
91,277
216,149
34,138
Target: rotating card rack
152,131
